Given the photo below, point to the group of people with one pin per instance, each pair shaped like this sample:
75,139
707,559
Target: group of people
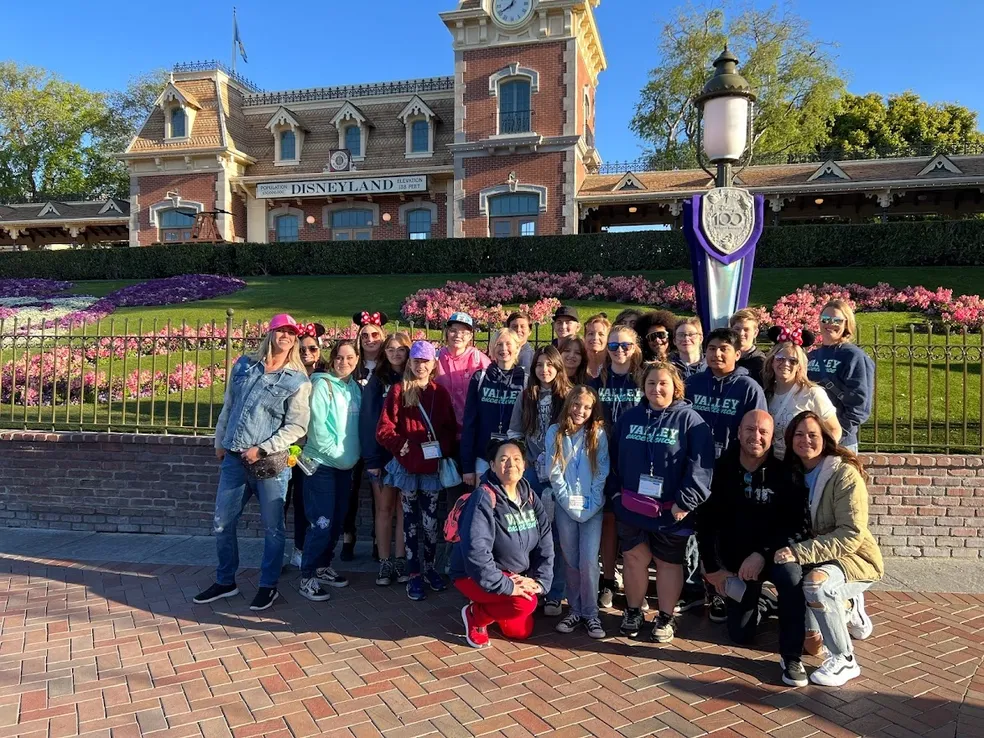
731,471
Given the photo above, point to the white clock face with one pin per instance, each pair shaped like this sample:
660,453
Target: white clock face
512,13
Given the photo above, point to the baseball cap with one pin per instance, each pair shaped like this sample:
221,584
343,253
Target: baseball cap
463,318
283,320
423,350
566,311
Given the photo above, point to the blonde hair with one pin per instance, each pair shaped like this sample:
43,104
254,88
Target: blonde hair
593,427
264,352
743,315
600,318
412,387
663,366
505,334
635,357
769,373
850,321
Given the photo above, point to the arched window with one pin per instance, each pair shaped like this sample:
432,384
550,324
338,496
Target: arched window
419,224
352,225
286,227
179,123
288,146
353,140
175,224
514,214
514,106
420,137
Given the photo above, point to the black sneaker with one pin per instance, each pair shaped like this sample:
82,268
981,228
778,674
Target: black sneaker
718,610
632,621
311,589
690,601
664,628
265,596
216,592
348,551
793,672
402,573
327,575
434,580
387,573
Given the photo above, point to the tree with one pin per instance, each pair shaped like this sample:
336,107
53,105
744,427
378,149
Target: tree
868,126
793,75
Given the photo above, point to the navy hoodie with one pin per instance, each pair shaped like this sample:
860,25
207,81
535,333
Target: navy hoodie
526,357
373,396
676,445
723,402
848,375
617,395
488,410
687,370
504,537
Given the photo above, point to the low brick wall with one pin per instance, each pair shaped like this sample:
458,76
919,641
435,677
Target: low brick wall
118,482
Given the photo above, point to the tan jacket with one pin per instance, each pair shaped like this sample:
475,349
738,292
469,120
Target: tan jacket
839,515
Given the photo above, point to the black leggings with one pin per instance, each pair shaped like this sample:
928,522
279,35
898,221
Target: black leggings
348,525
743,617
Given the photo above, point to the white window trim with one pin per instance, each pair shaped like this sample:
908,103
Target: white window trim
327,210
416,110
510,72
417,204
170,99
285,210
172,203
348,116
284,120
509,189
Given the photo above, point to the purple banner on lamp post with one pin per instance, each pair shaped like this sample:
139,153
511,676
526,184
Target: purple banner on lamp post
722,229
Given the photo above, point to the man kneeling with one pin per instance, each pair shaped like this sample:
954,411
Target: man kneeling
755,508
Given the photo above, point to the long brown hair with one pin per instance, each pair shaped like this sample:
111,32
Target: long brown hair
336,347
593,428
384,368
559,389
581,373
635,358
830,446
412,387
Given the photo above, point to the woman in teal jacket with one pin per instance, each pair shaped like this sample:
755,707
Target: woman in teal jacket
333,441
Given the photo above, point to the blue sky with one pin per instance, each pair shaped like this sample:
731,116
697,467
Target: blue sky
882,46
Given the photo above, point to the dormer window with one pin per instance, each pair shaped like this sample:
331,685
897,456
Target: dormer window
514,86
419,120
179,108
288,136
353,130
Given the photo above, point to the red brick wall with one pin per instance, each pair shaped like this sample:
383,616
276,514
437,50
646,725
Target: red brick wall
921,506
545,169
384,230
547,59
196,187
238,217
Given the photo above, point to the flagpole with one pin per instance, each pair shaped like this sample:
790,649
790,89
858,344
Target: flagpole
233,39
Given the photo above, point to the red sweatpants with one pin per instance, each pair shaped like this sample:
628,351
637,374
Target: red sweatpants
514,614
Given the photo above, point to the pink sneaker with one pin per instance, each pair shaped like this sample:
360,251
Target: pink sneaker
477,637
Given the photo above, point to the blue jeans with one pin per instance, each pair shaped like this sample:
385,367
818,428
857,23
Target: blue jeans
235,489
579,546
326,501
826,607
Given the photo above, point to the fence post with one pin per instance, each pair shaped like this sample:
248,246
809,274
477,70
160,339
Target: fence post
228,357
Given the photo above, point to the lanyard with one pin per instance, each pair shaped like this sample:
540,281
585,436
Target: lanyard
616,402
650,446
504,409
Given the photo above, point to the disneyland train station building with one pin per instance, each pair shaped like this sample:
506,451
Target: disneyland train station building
504,146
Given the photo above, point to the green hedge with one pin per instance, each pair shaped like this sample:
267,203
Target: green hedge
936,243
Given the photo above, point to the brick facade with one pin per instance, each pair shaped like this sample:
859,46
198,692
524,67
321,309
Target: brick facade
546,169
153,189
921,506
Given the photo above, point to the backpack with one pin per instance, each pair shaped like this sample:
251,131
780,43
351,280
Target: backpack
451,533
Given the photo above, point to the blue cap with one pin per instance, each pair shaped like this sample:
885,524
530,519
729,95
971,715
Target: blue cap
463,318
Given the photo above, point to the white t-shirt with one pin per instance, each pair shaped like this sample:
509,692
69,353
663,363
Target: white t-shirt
788,405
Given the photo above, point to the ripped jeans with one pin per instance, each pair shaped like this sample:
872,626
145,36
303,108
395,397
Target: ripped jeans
326,501
826,606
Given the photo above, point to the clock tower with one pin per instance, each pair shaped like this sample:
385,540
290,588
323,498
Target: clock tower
525,77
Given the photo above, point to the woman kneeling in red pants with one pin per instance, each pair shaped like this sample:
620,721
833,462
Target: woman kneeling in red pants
505,554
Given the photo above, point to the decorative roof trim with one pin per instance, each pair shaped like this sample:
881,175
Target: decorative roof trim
829,167
349,111
416,107
48,209
938,162
171,94
629,181
283,117
110,205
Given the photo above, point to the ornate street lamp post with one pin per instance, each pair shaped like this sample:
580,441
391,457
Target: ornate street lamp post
723,225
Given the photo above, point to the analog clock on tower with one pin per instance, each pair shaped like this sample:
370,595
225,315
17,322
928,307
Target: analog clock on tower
512,13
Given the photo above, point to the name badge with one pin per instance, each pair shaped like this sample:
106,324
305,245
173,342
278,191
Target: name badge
431,449
650,486
541,467
499,436
577,503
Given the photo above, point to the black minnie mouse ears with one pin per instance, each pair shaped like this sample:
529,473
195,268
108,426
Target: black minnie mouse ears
365,318
799,336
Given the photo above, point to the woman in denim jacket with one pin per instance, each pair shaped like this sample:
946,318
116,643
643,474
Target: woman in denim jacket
265,410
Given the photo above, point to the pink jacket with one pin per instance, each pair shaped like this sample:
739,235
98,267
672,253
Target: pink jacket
454,374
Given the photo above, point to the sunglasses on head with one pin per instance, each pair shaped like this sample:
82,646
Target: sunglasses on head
657,336
616,345
831,320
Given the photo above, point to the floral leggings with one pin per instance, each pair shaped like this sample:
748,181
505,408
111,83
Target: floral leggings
420,515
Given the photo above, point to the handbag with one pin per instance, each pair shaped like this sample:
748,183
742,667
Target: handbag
447,470
267,467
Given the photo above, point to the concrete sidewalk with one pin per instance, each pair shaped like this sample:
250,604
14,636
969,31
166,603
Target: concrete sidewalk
913,575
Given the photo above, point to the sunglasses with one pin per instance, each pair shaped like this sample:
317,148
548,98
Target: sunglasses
658,336
791,360
309,349
830,320
616,345
688,336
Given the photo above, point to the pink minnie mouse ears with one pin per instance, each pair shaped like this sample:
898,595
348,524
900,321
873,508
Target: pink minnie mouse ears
312,330
797,336
366,318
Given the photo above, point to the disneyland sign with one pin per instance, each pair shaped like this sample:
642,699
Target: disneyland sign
328,187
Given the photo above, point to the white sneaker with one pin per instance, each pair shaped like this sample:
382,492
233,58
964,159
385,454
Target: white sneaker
836,671
859,625
295,558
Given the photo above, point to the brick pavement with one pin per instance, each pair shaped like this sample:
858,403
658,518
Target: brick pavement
119,650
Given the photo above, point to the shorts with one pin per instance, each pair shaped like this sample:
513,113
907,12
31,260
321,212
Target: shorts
664,546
